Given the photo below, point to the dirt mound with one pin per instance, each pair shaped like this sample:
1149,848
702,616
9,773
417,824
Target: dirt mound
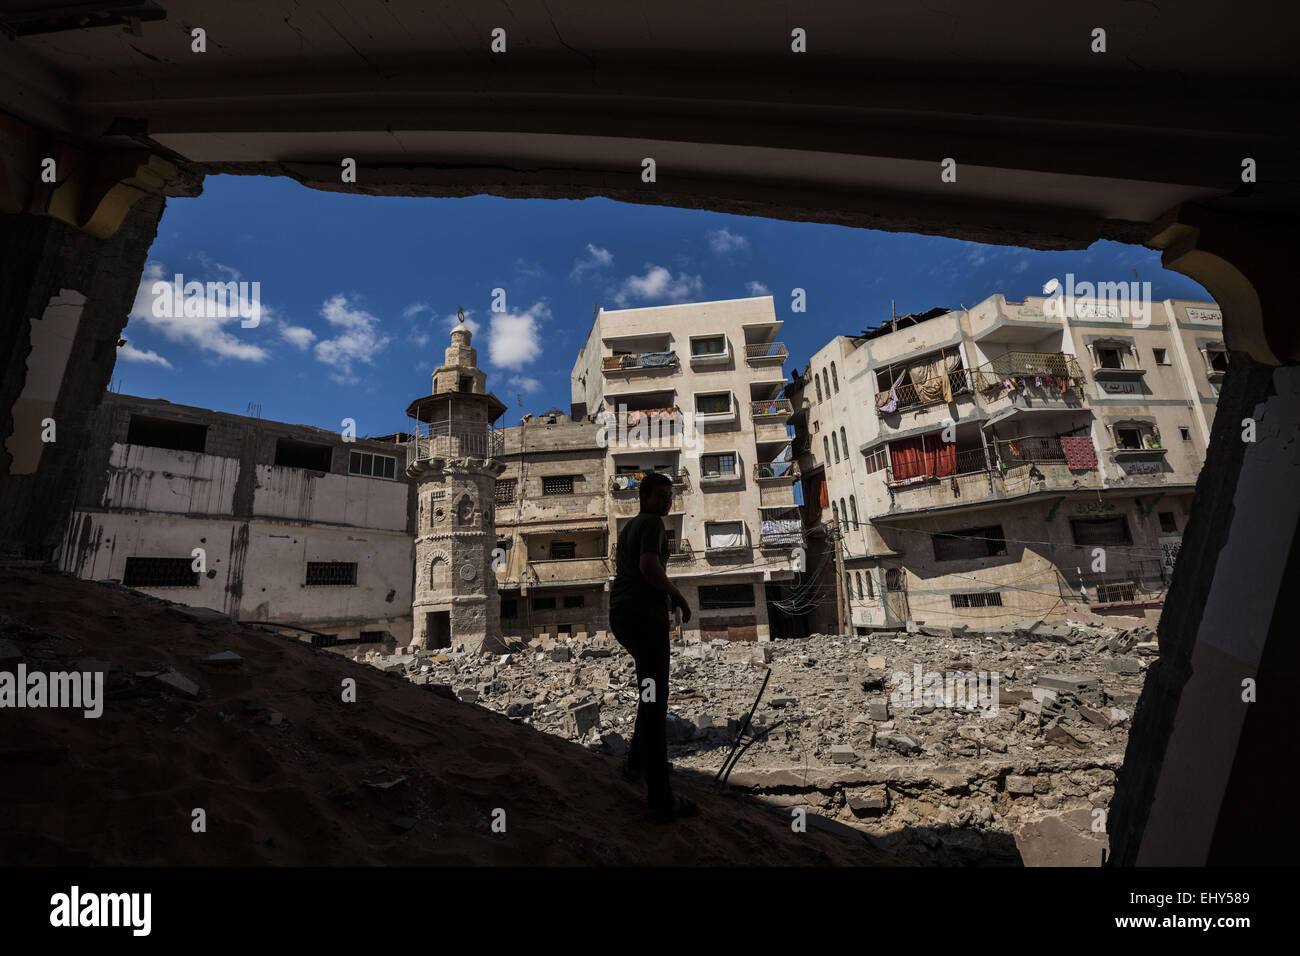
286,772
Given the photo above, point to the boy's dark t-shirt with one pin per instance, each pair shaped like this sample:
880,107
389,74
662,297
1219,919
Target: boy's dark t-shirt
644,534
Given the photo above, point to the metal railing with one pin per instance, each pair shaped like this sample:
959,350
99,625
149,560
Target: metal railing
777,408
1030,366
640,360
766,352
928,392
454,439
631,480
776,470
937,465
1140,581
1012,450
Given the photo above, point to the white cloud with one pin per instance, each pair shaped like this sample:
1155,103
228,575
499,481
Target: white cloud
1020,266
212,266
415,308
133,354
297,335
208,332
525,383
723,241
357,344
529,270
757,288
515,338
658,285
597,258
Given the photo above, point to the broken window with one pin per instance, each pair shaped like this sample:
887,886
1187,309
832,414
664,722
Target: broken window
718,597
894,579
290,453
969,543
160,573
1100,531
164,433
1167,522
558,485
331,574
372,466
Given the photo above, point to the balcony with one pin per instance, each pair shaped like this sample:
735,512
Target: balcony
644,361
563,571
930,391
453,439
643,429
1141,583
631,481
776,411
780,527
776,471
937,465
1031,379
766,353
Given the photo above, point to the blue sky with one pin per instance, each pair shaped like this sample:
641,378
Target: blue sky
359,293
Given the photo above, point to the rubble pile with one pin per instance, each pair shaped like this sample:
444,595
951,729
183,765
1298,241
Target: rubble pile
939,776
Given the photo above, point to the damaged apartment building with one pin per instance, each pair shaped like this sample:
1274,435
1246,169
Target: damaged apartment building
1012,461
284,524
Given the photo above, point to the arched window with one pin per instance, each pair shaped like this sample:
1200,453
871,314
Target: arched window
836,445
827,445
844,441
894,579
835,510
871,587
844,512
853,503
819,387
826,382
835,377
848,586
858,575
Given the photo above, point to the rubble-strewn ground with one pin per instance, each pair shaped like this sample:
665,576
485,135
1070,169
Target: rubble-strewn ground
1032,780
286,772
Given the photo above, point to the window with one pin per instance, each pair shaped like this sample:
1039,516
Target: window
1185,432
844,511
716,404
509,609
819,388
835,378
878,459
871,587
372,466
969,543
1117,591
466,383
562,549
1217,360
373,637
1100,531
505,489
894,579
544,604
853,504
1162,356
575,600
827,383
160,573
1167,522
331,574
724,534
817,426
835,511
709,345
718,597
826,446
162,433
836,445
1128,437
858,575
977,599
1109,357
844,441
558,485
717,466
302,454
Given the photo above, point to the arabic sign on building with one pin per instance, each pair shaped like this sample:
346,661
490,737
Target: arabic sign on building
1169,547
1205,316
1098,311
1142,467
1094,507
1120,388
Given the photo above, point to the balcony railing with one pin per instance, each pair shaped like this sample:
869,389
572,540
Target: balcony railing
568,570
776,470
928,392
766,353
937,465
780,527
775,410
454,439
630,481
1030,449
640,360
1036,369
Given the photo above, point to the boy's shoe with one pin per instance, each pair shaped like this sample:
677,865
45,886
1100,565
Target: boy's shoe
681,808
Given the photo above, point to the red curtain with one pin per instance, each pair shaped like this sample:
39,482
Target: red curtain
923,456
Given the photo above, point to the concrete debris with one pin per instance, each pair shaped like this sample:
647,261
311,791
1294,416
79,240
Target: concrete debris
931,773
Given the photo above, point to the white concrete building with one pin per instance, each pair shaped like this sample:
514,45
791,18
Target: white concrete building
295,525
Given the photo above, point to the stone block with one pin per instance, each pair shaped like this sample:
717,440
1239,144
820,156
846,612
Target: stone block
842,753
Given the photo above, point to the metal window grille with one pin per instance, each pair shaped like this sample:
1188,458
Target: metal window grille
331,574
977,599
160,573
563,549
558,485
1118,591
374,637
717,597
505,489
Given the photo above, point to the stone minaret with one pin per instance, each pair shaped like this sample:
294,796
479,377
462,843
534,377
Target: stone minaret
451,458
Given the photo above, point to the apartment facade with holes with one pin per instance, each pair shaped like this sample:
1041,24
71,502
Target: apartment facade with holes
552,524
1006,462
695,391
296,525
